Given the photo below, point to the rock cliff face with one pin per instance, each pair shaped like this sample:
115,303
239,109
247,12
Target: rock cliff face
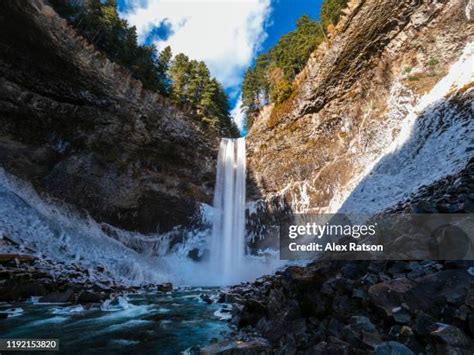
383,107
380,122
82,130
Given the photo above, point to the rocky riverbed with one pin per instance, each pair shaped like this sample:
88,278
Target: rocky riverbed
361,307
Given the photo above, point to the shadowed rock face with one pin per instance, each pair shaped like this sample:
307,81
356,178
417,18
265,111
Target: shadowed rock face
351,102
83,130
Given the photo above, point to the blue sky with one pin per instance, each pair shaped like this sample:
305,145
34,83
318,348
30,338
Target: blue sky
284,15
226,34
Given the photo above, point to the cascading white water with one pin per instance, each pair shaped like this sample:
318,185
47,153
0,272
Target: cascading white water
57,232
228,229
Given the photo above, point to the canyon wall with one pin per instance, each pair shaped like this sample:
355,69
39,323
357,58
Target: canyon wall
382,107
82,130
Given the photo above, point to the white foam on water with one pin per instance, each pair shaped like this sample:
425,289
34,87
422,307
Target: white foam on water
13,312
46,321
68,310
130,324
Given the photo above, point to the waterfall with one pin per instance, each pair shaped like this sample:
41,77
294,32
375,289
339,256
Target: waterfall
228,229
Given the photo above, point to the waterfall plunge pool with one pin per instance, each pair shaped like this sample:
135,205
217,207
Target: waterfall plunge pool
144,322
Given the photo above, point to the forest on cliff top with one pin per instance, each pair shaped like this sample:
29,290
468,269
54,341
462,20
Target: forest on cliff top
189,82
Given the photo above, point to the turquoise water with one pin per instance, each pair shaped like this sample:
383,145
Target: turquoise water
151,323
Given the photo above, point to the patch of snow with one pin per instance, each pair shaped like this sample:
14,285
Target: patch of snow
433,141
469,10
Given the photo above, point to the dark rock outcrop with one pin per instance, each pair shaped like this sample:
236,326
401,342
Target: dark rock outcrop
83,130
322,308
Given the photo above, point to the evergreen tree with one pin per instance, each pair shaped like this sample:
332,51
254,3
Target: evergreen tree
186,81
199,80
164,62
179,72
250,92
331,12
270,80
273,72
101,25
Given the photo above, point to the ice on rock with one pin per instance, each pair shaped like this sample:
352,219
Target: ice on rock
433,140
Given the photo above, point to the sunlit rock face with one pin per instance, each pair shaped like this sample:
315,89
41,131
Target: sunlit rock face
383,106
83,130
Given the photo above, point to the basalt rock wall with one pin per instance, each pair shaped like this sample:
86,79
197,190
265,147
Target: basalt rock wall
374,114
82,130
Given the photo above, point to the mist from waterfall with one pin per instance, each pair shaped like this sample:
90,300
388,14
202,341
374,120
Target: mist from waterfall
58,232
227,250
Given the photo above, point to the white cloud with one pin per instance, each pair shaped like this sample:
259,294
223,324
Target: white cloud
223,33
238,115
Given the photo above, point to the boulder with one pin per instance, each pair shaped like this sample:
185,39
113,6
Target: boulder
165,287
90,297
59,297
238,347
392,348
391,294
425,293
449,339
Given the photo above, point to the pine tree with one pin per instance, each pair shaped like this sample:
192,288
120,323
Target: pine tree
331,12
179,73
185,81
270,80
198,80
164,62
